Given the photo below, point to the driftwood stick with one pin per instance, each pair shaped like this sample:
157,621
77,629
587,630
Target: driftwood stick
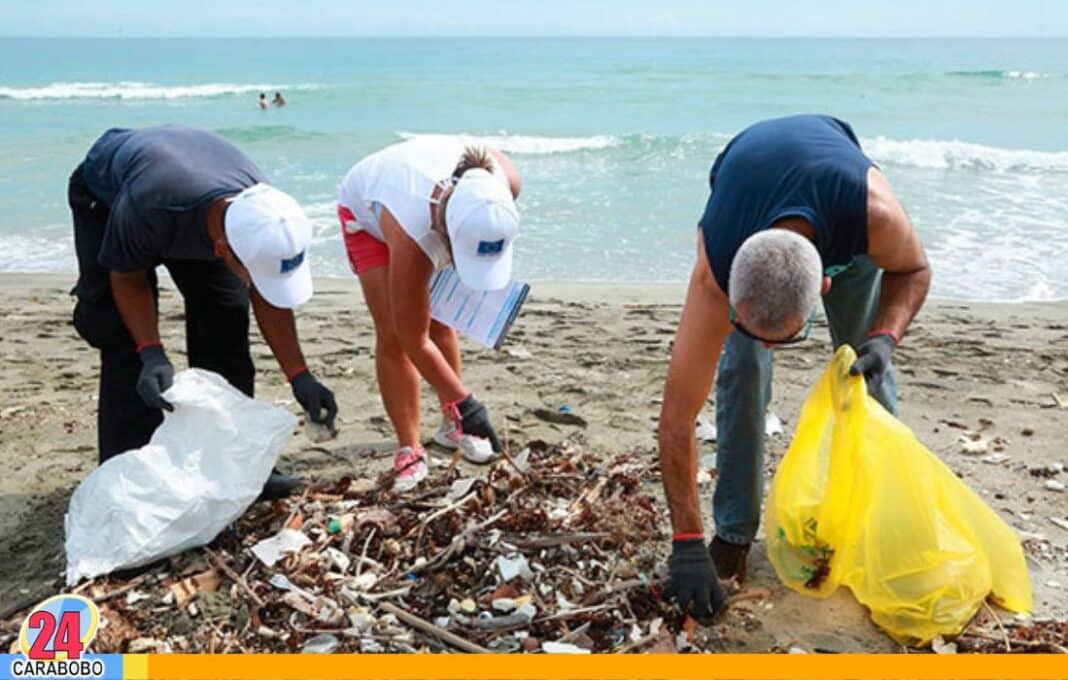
457,542
997,620
119,591
750,594
622,586
553,540
430,629
570,613
235,577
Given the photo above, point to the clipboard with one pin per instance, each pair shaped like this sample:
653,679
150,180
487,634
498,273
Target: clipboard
484,316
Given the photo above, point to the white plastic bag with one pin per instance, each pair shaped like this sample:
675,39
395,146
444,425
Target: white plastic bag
201,470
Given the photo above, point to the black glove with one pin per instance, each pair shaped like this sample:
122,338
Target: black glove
157,375
694,584
873,358
474,420
314,397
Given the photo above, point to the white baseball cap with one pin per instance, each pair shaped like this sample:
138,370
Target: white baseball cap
270,234
483,222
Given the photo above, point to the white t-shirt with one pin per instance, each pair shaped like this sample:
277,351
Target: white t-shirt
402,178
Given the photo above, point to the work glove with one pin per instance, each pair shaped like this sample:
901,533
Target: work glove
157,375
693,583
314,398
474,420
873,359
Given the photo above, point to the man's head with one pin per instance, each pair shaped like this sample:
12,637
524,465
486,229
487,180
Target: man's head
775,284
268,235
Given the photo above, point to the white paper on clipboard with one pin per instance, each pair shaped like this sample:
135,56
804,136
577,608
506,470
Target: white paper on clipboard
483,316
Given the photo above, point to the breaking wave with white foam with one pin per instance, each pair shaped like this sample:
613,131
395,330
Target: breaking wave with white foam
139,90
532,144
955,154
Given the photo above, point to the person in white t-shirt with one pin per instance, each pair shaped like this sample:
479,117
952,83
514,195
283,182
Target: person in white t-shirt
406,211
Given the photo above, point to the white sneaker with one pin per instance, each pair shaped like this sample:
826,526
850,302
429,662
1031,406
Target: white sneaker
447,435
477,450
410,465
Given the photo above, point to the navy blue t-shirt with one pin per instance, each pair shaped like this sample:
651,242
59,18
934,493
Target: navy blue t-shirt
805,166
158,183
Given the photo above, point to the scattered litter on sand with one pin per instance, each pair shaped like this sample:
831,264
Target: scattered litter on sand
560,557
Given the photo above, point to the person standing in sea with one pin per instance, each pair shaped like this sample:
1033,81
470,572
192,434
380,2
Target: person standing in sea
406,211
797,213
193,202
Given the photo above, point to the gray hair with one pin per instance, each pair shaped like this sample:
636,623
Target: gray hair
776,275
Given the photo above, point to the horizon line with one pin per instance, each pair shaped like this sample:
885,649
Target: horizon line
528,36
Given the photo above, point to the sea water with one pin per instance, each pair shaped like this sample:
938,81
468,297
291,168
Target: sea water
613,137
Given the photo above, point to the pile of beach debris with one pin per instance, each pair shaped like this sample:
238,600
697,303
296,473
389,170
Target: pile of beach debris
556,549
551,550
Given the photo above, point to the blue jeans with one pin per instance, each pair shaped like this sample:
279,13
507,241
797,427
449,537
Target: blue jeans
743,390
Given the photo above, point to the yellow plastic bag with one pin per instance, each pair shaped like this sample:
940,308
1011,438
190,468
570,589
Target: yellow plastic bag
858,501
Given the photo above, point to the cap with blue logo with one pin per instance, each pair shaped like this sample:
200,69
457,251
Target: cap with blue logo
483,223
270,234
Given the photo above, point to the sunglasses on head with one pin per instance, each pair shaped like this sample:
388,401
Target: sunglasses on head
800,336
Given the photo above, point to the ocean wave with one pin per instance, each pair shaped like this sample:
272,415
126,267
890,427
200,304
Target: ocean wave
533,144
999,75
137,90
955,154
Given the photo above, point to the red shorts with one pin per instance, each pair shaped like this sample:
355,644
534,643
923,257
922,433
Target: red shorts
365,251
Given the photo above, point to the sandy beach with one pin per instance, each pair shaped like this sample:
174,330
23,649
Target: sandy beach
602,351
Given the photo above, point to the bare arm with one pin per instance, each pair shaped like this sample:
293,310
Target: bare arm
515,182
895,247
279,329
137,306
704,328
409,286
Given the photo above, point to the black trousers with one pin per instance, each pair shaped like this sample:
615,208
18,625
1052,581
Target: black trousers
216,327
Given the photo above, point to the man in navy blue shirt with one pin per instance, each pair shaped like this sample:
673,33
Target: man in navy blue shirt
194,203
795,204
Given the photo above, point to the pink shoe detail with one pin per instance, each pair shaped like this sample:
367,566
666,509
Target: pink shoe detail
410,466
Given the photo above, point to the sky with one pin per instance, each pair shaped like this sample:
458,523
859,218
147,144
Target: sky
773,18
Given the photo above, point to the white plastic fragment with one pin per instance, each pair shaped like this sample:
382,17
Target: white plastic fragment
364,581
513,566
940,646
706,432
461,487
973,447
562,648
338,559
527,611
772,425
324,643
522,461
270,550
